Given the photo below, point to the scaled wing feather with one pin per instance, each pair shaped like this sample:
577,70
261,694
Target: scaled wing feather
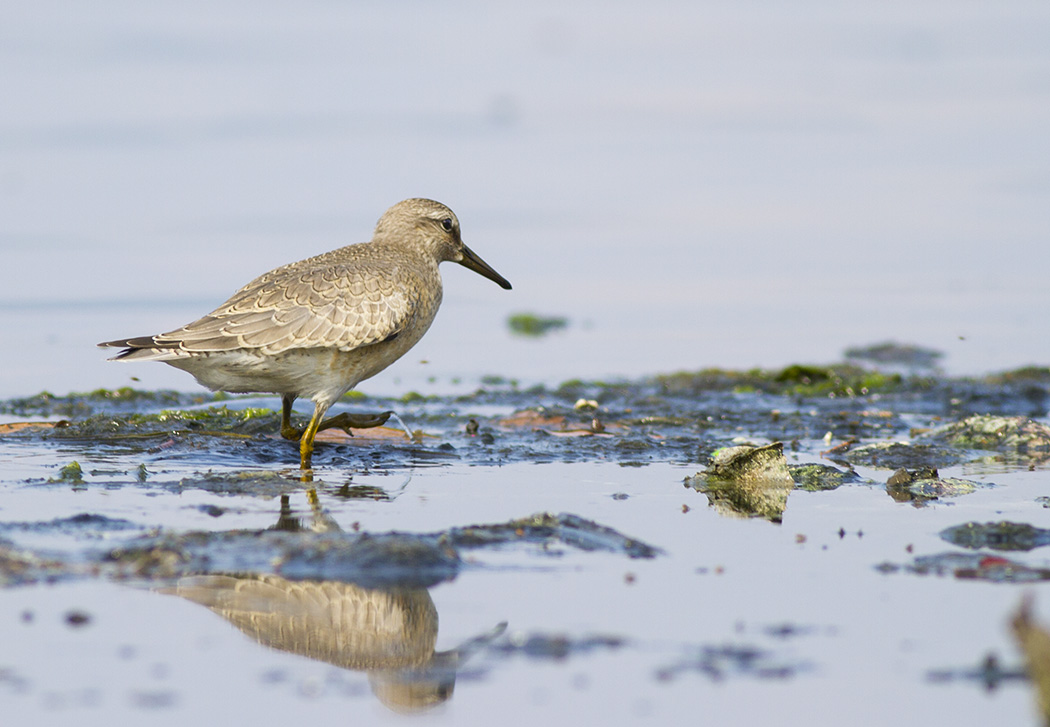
321,307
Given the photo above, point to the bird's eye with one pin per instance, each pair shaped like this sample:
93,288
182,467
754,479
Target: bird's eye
447,224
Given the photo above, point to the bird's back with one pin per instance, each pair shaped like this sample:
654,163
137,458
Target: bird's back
344,299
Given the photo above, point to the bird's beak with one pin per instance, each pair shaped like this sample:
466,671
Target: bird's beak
479,266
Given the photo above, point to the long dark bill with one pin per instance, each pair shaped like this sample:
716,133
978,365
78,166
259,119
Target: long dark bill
472,261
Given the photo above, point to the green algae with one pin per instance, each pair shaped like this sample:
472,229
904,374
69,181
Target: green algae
87,403
746,481
838,380
215,419
820,477
71,473
533,325
994,433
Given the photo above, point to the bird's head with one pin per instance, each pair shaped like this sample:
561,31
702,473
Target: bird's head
437,227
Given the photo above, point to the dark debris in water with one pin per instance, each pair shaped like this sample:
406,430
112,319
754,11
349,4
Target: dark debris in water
1003,535
998,433
971,566
20,567
556,647
251,483
365,559
989,673
895,455
718,663
86,523
545,528
819,477
896,356
924,484
326,552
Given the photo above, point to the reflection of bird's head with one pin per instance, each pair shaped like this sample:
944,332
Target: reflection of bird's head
412,691
418,689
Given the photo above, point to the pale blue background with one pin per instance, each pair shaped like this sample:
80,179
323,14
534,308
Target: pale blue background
692,184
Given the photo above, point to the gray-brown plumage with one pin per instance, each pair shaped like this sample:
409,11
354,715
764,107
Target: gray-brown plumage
316,328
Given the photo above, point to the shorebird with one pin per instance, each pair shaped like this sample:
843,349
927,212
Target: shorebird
318,327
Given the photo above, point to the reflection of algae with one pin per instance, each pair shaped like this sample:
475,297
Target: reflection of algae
747,482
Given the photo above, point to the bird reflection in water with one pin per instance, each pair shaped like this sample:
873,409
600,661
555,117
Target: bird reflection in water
389,632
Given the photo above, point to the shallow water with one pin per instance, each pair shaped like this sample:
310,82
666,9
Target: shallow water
830,628
721,184
644,598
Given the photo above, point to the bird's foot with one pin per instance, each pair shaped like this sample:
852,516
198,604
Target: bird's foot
347,421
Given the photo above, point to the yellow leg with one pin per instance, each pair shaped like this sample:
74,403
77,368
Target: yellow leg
306,443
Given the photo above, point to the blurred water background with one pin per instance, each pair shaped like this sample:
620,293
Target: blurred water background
691,184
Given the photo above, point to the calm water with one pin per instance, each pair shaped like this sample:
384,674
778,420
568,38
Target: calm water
692,184
859,643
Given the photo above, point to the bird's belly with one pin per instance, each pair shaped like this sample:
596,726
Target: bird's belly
309,373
